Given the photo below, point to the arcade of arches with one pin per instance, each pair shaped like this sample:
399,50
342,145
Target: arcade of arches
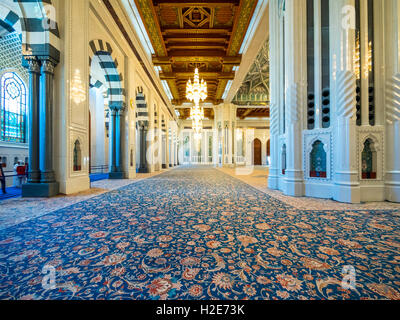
295,172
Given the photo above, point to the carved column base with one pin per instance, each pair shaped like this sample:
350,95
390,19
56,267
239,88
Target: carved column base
40,190
144,170
34,177
347,187
273,179
294,183
47,177
116,175
392,186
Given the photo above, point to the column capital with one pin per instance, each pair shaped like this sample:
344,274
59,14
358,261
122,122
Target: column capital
33,65
48,66
116,107
143,124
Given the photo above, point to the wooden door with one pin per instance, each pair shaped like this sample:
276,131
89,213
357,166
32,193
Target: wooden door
257,152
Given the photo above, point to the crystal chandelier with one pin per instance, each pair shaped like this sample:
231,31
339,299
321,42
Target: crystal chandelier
195,92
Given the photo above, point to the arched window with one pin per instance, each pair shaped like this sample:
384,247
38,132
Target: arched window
368,160
77,156
318,160
12,108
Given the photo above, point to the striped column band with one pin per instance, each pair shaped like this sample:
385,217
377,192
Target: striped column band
163,126
40,34
142,114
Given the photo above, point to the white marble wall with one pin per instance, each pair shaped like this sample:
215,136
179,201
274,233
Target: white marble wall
344,139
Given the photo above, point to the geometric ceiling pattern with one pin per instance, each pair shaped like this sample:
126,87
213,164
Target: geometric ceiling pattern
255,88
205,34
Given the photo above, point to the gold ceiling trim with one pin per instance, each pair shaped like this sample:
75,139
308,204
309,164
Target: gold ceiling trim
151,25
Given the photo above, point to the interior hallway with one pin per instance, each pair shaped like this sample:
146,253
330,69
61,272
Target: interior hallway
199,233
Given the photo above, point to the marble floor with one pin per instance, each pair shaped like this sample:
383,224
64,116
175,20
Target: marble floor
198,233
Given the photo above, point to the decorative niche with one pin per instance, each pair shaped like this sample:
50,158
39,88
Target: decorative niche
317,155
77,156
283,159
370,154
318,167
369,161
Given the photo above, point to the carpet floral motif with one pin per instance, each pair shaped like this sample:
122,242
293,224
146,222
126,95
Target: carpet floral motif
197,233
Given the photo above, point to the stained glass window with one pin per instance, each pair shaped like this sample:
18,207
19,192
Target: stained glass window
12,108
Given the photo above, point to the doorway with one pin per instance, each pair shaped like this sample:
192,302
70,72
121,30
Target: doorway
257,158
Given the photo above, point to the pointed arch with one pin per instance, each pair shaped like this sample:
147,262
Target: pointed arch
9,21
112,77
40,33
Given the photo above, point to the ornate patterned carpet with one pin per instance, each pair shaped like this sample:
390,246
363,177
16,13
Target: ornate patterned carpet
197,233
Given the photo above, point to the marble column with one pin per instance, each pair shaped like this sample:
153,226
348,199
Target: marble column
34,90
115,144
143,131
276,57
173,149
170,151
164,151
295,75
46,124
41,181
167,157
118,116
346,176
392,55
112,146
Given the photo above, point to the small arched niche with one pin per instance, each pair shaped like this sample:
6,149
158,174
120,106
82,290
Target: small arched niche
77,156
368,160
284,159
318,160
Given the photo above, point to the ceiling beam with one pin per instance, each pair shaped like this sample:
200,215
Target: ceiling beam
198,3
161,61
196,46
197,53
205,75
222,31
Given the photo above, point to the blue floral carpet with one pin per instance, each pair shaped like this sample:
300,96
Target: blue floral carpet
196,233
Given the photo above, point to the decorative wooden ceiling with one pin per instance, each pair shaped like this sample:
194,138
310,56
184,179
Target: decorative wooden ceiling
243,113
188,34
184,113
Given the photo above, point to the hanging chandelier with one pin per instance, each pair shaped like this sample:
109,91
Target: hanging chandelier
195,92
